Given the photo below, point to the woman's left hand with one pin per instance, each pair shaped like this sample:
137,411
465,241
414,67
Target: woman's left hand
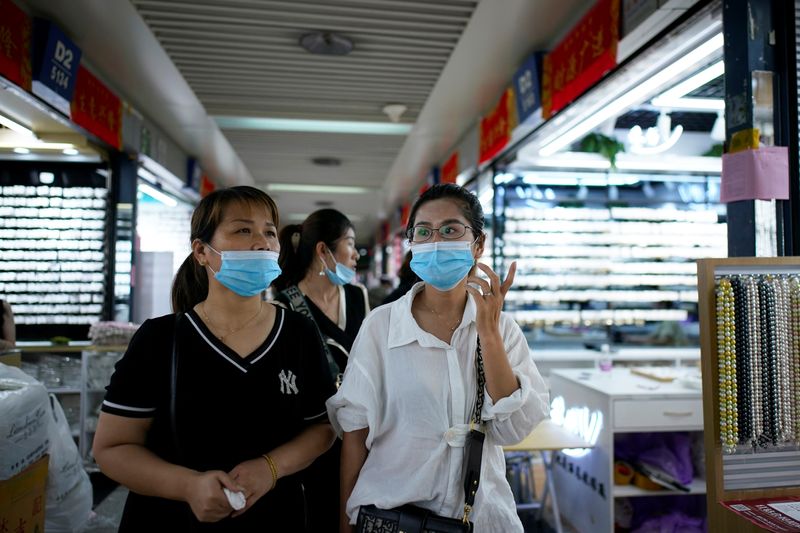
489,300
255,478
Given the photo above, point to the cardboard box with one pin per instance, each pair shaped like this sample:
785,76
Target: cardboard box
11,359
22,499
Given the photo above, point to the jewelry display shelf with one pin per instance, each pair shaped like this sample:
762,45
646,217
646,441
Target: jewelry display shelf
96,365
769,474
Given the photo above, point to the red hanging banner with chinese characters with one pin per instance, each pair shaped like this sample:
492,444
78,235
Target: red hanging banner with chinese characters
450,169
582,58
496,127
206,186
15,44
95,108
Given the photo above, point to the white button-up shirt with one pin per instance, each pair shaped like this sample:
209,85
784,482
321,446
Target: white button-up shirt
416,394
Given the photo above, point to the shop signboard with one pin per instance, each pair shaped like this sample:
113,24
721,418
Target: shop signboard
528,88
56,60
96,109
15,44
206,186
450,169
194,174
634,12
496,127
582,58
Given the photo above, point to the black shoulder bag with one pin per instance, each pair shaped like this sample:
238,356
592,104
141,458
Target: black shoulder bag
297,302
413,519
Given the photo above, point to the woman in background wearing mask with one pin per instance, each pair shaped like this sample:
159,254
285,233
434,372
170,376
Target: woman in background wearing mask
318,260
211,410
408,394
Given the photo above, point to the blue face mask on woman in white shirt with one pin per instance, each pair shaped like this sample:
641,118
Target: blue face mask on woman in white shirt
247,272
342,275
442,264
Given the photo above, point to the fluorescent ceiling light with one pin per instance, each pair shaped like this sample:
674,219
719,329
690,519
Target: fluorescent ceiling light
318,189
633,162
155,194
698,80
33,144
635,96
17,127
692,104
312,126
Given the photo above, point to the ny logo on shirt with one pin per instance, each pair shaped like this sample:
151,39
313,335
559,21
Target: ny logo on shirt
288,385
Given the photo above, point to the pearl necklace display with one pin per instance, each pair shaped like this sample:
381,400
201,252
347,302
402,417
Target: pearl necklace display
758,357
726,353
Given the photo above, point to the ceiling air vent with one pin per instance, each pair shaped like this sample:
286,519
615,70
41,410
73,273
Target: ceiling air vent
326,43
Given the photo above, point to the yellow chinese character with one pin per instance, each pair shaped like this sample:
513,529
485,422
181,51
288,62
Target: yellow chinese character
598,46
572,68
7,42
558,80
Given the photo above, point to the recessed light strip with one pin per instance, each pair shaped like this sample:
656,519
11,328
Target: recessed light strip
317,189
15,126
312,126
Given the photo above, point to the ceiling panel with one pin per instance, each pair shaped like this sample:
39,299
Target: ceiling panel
243,57
286,157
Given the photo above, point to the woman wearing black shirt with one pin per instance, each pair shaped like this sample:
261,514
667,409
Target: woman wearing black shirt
318,260
245,409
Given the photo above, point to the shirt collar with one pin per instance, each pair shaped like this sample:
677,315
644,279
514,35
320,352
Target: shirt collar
403,329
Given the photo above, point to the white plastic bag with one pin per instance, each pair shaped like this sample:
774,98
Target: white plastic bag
69,491
23,421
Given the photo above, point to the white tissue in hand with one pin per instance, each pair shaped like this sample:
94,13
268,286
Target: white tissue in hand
236,499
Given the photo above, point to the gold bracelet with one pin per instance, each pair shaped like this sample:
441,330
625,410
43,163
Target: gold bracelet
272,468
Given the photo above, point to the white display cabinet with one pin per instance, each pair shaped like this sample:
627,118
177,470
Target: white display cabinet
600,406
77,374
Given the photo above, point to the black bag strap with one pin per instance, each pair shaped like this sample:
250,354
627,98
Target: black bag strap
473,449
297,302
173,386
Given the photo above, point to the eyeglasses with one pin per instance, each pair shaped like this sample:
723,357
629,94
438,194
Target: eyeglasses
449,232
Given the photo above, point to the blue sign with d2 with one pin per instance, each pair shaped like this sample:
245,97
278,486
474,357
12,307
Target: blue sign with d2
55,64
527,83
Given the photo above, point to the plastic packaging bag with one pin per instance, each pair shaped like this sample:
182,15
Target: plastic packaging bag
69,490
23,421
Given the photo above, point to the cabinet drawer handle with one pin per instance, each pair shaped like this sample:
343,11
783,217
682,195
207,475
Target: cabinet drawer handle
678,413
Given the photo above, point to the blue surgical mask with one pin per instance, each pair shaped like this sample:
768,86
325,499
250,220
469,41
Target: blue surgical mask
343,274
247,272
442,264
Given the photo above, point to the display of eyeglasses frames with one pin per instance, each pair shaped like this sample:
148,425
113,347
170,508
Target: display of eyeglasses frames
52,253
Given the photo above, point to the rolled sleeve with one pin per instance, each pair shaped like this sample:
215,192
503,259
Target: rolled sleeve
512,418
355,405
348,409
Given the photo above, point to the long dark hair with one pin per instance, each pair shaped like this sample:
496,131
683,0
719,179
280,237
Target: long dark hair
467,202
298,242
190,286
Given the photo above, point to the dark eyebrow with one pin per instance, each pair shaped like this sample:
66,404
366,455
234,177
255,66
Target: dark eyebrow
248,221
448,221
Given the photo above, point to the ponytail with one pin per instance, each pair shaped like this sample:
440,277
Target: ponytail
190,286
292,258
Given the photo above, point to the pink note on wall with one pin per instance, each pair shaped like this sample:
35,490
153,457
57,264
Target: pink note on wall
761,174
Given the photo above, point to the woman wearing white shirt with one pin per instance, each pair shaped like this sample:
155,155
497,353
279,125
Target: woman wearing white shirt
410,386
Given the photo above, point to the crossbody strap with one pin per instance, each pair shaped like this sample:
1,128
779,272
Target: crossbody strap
473,450
173,386
297,302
